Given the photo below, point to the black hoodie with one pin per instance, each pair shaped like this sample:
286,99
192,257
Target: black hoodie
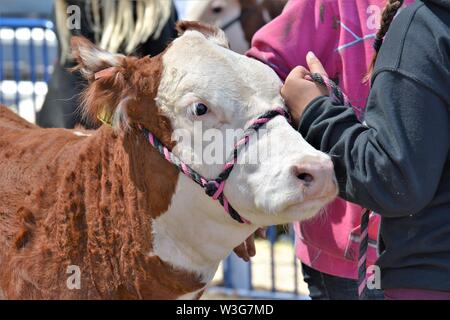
398,162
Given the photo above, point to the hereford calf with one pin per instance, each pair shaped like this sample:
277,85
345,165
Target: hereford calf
106,207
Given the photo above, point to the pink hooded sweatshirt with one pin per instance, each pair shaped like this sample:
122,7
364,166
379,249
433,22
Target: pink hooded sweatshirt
340,33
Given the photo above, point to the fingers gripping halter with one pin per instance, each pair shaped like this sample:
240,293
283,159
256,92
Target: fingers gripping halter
334,91
214,188
340,98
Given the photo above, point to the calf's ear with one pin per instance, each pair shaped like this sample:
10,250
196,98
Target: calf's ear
91,59
104,99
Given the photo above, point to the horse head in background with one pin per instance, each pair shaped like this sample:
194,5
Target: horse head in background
240,19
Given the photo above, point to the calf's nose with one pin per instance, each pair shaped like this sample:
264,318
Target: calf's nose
316,178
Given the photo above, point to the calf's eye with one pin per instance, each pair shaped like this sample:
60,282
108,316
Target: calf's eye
217,9
200,109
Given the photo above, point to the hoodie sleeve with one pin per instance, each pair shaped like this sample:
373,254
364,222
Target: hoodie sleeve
303,26
393,164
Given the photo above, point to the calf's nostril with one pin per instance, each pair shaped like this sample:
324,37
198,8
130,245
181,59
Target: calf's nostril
306,178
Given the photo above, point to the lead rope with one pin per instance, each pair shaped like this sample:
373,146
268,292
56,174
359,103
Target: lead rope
340,98
362,261
214,188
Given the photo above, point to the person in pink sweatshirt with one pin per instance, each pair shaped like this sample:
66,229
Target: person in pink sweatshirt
341,33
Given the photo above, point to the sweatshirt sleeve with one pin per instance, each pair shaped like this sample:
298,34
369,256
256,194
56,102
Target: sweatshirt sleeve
392,164
303,26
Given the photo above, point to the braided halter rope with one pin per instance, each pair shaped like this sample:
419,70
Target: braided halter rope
334,91
214,188
340,98
362,257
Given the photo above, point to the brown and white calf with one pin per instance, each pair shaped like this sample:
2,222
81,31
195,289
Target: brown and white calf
109,204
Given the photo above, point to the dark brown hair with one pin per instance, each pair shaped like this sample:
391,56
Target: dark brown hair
387,17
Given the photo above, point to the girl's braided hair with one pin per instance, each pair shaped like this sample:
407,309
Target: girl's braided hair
387,17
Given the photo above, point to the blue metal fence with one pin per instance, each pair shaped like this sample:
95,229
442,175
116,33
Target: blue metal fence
27,50
238,276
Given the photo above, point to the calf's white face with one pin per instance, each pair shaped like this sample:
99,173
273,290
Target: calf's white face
209,91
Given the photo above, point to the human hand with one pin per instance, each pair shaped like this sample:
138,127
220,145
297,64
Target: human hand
299,92
247,249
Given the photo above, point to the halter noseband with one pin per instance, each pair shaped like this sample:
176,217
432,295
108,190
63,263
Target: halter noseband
214,188
230,23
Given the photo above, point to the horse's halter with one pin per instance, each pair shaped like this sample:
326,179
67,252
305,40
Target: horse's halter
243,14
230,23
214,188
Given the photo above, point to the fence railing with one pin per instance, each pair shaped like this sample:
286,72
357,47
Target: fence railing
28,48
273,274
